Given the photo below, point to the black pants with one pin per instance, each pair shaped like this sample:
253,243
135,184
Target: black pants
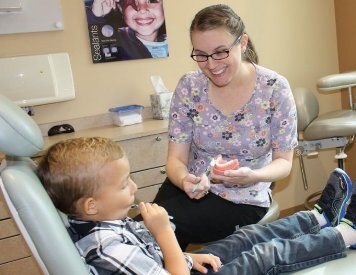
208,219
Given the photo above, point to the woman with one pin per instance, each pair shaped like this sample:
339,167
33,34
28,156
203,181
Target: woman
230,107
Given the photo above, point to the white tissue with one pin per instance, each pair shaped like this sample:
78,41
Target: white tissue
158,84
161,99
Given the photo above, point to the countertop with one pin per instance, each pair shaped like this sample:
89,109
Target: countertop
116,133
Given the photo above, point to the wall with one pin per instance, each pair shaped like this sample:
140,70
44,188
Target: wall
295,38
346,40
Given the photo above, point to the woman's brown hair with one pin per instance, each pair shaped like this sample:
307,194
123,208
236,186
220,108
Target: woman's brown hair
221,15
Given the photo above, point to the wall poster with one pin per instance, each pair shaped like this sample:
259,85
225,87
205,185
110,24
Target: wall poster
126,29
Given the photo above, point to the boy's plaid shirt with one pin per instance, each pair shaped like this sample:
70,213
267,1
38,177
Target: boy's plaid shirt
118,247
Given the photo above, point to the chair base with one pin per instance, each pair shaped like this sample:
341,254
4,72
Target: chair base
272,213
310,200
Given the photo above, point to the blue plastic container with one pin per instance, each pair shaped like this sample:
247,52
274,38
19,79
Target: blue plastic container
126,115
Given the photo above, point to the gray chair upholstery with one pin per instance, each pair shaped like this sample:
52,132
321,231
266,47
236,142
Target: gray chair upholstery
272,213
335,129
29,204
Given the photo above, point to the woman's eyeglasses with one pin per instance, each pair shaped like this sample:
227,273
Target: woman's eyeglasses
217,55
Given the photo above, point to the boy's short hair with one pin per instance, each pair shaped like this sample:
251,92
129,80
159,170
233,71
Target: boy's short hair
70,169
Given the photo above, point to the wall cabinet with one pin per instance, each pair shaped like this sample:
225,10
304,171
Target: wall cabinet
15,256
147,156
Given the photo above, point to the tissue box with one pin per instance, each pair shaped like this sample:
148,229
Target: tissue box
126,115
160,104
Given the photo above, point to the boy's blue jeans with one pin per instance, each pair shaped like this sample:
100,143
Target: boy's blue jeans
285,245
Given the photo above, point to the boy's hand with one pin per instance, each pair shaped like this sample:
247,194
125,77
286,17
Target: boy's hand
200,260
155,218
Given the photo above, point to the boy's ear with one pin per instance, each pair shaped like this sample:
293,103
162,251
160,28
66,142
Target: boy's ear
90,206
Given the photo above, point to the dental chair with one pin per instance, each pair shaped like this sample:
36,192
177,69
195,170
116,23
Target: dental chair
331,130
38,220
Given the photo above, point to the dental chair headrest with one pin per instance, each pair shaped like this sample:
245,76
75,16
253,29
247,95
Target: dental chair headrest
20,136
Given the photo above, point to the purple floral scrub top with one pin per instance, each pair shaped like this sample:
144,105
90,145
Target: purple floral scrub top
267,123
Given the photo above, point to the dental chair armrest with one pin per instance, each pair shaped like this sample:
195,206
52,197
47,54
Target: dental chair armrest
337,81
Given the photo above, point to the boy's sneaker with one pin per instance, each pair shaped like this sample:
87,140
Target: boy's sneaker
333,200
350,217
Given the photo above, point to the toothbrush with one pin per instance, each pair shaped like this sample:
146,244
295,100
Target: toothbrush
207,172
134,206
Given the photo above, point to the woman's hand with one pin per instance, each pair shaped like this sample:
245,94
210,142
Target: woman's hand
193,190
242,177
200,260
101,8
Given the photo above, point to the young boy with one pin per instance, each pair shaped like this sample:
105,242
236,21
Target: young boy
88,179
